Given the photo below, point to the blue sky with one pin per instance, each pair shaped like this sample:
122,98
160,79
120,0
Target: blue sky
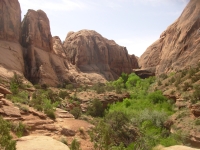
135,24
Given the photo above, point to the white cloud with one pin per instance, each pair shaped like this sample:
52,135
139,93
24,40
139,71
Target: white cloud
136,45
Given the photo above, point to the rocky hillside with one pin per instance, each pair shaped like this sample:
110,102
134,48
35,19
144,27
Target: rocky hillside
29,49
178,46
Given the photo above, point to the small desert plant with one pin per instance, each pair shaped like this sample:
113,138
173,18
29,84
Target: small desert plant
197,122
163,76
19,128
172,80
63,94
75,145
69,87
159,83
186,86
64,141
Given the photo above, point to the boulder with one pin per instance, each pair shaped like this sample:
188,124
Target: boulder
39,143
67,132
144,73
178,46
195,109
4,91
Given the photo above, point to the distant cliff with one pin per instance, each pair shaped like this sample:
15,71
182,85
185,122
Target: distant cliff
178,46
29,49
91,52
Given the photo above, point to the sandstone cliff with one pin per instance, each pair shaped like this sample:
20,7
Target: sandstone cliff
178,46
42,66
36,30
91,52
58,47
28,48
11,57
10,19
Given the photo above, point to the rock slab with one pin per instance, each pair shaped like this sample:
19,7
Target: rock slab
39,143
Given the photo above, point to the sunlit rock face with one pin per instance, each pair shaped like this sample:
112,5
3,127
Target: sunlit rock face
178,46
91,52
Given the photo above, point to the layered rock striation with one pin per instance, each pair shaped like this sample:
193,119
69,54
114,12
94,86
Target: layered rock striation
178,46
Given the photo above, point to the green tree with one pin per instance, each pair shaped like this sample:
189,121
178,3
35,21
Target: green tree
132,80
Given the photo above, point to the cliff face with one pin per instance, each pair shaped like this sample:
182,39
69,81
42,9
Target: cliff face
28,48
36,30
10,19
11,57
178,46
42,65
91,52
58,47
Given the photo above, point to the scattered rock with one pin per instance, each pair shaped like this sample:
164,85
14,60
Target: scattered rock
60,113
4,91
144,73
195,109
67,132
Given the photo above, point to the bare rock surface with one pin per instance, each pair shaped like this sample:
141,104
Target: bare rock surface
10,20
91,52
40,143
178,46
36,30
175,147
58,47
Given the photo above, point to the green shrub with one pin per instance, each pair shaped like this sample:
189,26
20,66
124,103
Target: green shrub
18,128
42,102
69,87
6,141
192,71
159,83
63,94
96,108
186,86
50,113
76,112
20,97
163,76
197,122
196,94
172,80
